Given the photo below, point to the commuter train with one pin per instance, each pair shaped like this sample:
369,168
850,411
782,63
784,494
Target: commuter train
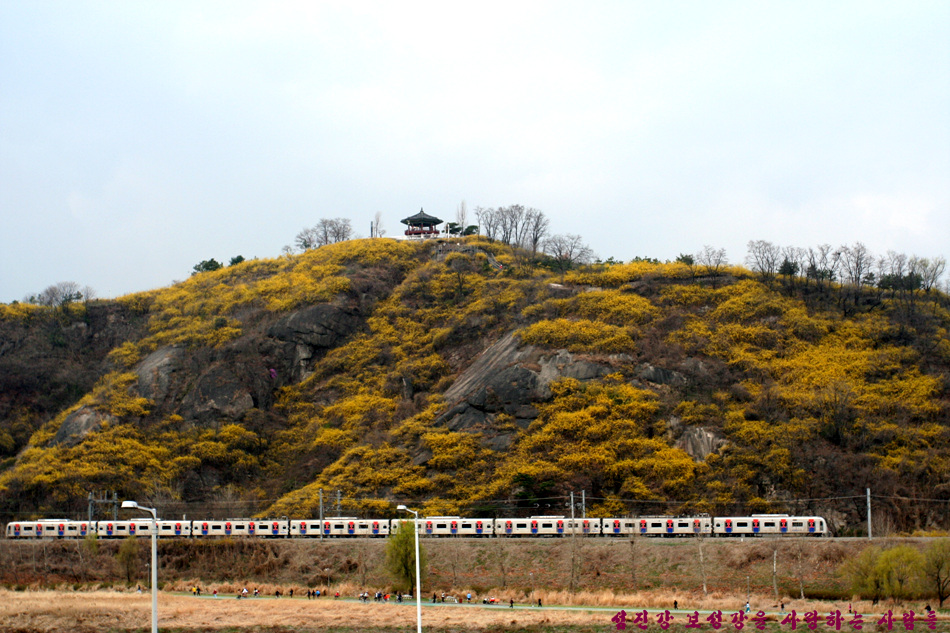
441,526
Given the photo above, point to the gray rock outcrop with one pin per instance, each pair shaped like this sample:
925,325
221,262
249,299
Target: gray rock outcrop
307,334
511,380
217,393
700,442
79,424
155,373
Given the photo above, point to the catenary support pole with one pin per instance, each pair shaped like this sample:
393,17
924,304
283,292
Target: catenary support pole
869,513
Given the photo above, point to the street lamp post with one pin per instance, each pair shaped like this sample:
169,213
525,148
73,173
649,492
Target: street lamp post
415,531
132,505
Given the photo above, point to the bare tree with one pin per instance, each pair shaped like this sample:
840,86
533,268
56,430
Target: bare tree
763,258
307,239
339,230
60,295
567,251
537,230
378,230
793,263
511,223
932,271
857,262
489,221
712,259
326,231
821,264
461,215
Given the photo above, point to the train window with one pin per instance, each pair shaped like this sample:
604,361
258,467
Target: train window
238,526
27,528
440,526
656,525
742,524
797,524
770,524
466,526
547,526
521,525
682,524
120,528
628,525
337,526
165,527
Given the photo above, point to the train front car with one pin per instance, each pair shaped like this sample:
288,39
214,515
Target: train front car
808,526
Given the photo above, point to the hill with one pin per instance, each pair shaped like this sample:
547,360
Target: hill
468,377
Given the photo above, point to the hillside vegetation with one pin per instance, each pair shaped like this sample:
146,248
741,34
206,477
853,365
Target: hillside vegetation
250,388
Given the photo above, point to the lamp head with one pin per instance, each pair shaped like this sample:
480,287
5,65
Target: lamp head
129,505
399,507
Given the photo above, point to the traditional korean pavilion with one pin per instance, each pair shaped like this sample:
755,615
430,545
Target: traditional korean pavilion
421,225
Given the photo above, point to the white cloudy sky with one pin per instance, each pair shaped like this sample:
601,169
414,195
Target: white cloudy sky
139,138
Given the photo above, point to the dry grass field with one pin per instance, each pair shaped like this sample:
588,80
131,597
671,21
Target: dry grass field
63,586
48,611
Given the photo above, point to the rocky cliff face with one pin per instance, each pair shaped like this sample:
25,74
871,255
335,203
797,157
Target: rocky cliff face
49,361
511,380
210,386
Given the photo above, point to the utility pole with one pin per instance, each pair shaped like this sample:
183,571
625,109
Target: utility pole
573,542
583,504
103,498
321,513
869,512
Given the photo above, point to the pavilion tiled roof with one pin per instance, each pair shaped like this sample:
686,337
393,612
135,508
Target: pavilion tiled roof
421,219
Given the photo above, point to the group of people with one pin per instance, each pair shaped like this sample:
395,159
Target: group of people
312,594
379,596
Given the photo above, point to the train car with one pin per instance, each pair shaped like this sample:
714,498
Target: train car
658,526
545,526
583,527
452,526
123,529
339,526
49,528
239,527
351,526
172,528
770,524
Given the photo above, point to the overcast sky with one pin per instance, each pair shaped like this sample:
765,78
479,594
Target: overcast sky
139,138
